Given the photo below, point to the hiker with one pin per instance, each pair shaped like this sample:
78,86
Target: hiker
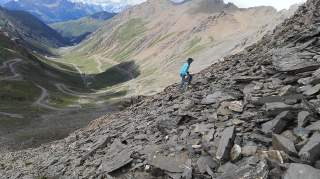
185,75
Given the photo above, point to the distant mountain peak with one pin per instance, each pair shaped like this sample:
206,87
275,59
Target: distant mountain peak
51,11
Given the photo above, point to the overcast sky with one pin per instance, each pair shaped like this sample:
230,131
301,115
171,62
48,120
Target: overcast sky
278,4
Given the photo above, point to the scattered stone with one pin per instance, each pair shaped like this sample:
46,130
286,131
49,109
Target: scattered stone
225,143
237,122
236,106
224,110
281,143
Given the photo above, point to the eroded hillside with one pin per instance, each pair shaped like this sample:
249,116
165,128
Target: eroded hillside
253,115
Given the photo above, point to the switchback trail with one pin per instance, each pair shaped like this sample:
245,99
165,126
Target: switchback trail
11,65
11,115
41,101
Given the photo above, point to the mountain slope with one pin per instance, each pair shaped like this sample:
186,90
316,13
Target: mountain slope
29,30
38,95
51,11
253,115
76,30
160,35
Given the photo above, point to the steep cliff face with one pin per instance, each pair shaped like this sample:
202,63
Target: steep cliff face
159,35
253,115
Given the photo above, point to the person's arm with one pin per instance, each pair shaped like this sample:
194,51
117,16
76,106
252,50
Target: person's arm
188,69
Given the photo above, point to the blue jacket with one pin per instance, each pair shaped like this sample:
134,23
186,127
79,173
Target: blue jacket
185,69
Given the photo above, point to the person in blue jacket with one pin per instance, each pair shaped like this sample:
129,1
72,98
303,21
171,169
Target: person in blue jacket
184,73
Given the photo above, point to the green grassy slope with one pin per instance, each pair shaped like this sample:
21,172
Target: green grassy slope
76,30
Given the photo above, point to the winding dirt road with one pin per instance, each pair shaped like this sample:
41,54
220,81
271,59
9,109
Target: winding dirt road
11,65
42,100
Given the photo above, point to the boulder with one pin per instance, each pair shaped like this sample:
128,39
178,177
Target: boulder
301,171
235,152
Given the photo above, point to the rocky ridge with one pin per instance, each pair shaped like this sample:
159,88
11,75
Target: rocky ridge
253,115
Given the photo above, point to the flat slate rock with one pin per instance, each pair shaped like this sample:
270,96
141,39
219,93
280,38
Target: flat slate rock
311,150
216,97
275,108
116,162
314,126
169,164
302,118
277,125
312,90
301,171
226,143
244,79
206,161
295,64
284,144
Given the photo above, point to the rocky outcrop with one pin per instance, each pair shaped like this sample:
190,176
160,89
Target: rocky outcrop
222,127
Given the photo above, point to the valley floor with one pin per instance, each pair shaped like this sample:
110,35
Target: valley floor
33,112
